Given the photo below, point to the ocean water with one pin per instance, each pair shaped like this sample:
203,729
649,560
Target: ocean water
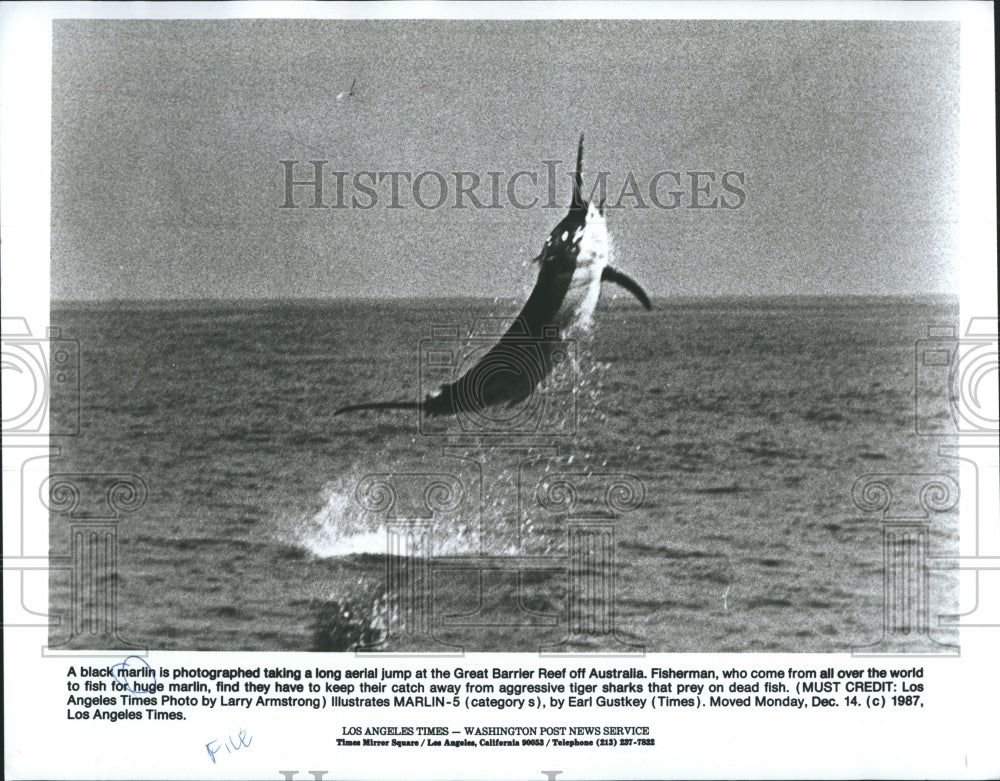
684,483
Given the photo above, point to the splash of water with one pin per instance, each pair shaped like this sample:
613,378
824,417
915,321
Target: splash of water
342,527
337,529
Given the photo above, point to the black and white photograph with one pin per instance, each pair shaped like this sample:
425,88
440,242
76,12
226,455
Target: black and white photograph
464,286
567,335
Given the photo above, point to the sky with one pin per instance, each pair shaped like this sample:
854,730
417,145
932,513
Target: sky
168,137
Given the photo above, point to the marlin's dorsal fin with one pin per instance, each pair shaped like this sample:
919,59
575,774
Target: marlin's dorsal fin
578,180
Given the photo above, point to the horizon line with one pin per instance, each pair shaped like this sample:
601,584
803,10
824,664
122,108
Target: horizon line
365,299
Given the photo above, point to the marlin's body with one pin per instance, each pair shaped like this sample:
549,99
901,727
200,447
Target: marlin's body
572,265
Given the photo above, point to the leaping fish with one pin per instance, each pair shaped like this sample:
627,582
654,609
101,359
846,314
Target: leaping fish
573,263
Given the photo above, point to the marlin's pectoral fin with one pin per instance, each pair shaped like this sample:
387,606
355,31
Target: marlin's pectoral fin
614,275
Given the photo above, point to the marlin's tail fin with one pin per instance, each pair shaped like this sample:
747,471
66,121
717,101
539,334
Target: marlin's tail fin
378,405
578,181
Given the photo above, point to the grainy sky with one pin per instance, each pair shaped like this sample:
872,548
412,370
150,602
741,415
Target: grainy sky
167,137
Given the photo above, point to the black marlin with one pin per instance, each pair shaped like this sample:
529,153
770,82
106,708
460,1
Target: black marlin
572,265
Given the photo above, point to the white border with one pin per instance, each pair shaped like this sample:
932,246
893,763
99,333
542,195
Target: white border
957,739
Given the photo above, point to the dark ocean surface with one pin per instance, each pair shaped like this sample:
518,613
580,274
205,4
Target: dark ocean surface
684,483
